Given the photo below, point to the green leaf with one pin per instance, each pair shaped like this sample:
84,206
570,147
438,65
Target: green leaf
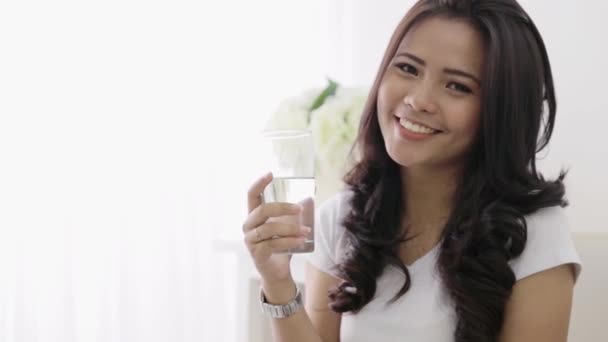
330,90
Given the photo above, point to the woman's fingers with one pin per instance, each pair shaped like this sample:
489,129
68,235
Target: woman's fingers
263,212
254,195
271,227
273,230
264,249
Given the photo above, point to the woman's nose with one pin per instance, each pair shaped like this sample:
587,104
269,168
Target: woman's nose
421,99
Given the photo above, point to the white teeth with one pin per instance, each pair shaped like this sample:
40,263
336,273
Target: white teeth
414,127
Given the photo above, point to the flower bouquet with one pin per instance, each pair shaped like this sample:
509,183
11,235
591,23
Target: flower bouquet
333,115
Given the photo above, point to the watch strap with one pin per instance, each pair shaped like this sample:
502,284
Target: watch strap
281,310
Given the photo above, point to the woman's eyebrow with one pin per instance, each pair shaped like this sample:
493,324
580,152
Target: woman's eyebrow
414,57
448,71
463,74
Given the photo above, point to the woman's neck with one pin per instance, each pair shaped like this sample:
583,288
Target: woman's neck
428,198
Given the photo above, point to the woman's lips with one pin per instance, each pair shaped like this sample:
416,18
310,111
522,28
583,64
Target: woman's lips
411,135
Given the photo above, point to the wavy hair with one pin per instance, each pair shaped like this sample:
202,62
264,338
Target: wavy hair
500,183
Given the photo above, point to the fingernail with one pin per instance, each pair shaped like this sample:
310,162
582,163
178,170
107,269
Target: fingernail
306,230
268,175
350,289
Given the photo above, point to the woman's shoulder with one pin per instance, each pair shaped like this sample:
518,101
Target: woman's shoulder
336,204
549,243
329,232
549,225
548,214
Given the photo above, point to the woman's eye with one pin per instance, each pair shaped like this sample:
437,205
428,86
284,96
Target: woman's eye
459,87
407,68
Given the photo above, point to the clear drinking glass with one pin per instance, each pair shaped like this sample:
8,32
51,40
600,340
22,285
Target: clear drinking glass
289,155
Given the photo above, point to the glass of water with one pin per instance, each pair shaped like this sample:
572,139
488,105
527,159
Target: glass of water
289,155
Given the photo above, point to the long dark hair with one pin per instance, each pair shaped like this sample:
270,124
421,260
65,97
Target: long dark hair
500,185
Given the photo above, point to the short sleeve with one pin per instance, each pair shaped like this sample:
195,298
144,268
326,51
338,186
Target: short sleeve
549,244
329,233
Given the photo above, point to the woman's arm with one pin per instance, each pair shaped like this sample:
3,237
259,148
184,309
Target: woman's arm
317,323
325,321
539,307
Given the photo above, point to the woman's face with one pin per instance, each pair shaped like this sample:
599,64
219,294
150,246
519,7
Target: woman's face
429,97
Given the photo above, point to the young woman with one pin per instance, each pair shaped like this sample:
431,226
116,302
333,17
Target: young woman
446,231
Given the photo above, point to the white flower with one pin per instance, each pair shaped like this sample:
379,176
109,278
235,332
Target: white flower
334,124
292,113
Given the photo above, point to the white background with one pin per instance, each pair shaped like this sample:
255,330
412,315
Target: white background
126,146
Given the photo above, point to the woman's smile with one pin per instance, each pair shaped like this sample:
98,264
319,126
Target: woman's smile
410,130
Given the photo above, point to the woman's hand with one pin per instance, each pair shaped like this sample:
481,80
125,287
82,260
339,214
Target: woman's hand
271,228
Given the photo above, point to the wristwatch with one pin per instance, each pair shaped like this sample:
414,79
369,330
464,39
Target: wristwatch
281,311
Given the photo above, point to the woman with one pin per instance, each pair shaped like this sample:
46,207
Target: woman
446,231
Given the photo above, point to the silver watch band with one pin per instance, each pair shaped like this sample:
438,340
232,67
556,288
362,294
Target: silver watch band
281,311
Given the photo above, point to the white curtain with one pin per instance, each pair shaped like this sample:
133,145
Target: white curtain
125,132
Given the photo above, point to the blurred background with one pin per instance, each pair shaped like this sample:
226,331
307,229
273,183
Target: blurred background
127,144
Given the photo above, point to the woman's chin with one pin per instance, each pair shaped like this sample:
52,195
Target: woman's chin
412,164
410,160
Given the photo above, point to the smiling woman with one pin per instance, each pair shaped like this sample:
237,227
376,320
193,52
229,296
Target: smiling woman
446,231
426,95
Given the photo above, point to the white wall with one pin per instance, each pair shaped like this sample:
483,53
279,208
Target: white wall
574,32
122,135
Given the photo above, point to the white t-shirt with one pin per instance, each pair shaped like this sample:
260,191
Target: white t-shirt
425,312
